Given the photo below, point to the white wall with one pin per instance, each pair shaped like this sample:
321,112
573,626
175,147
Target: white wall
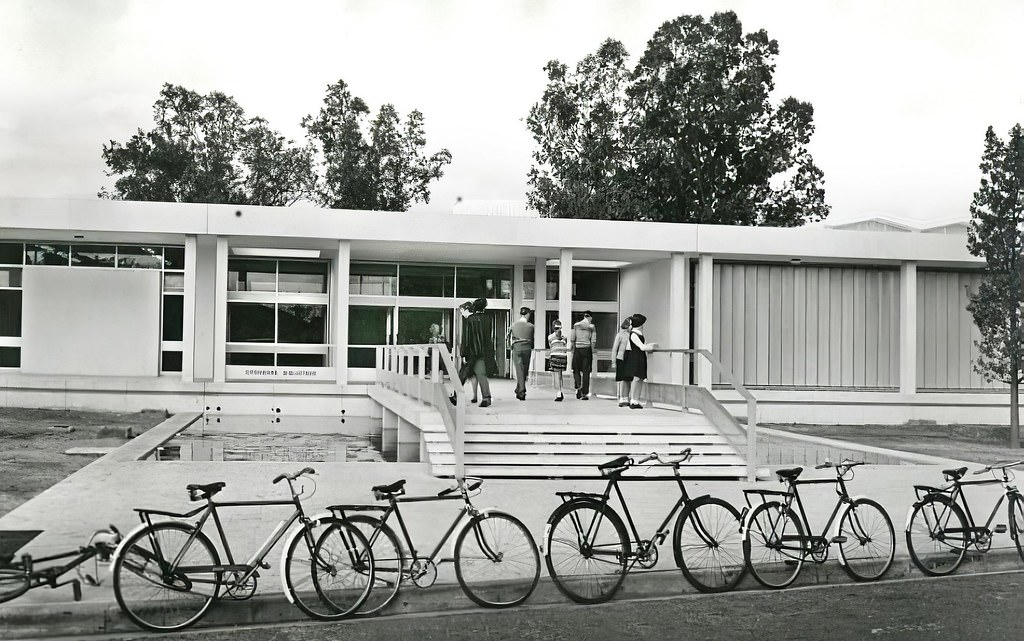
95,321
644,289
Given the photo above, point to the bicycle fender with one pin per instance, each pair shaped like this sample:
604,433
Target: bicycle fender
842,513
551,517
128,535
485,511
746,518
296,531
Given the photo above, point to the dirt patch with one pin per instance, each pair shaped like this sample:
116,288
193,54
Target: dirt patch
33,443
975,443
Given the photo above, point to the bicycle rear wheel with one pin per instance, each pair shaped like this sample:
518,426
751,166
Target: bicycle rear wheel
773,545
157,595
496,560
586,551
388,562
1016,508
937,535
708,545
13,583
342,569
870,543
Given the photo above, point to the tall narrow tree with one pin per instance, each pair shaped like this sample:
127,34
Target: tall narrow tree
997,234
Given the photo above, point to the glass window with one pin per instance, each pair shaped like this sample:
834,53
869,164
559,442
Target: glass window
92,255
414,324
303,277
301,360
595,285
421,280
368,325
483,282
170,361
10,312
607,324
12,254
362,357
373,279
252,275
10,357
250,358
301,323
10,277
174,316
174,258
140,257
174,282
251,323
529,278
47,254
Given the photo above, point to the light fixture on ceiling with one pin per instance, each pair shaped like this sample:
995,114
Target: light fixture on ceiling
275,252
795,261
79,236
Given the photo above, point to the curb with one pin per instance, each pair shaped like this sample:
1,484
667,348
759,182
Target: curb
43,620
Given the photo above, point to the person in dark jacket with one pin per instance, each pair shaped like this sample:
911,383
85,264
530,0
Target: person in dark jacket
478,348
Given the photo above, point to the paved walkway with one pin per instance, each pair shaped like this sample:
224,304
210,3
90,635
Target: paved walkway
107,490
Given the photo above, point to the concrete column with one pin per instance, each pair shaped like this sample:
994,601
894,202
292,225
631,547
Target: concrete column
540,289
908,327
339,308
188,335
565,289
679,314
704,317
204,305
220,328
517,289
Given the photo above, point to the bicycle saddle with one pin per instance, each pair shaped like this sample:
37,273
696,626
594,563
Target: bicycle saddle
955,475
789,474
197,492
384,491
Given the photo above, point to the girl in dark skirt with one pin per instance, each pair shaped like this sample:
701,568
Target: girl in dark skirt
636,359
558,357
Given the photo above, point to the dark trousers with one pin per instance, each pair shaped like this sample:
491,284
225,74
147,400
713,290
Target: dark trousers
521,361
582,364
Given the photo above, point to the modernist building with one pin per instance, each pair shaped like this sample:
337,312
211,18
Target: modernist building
127,305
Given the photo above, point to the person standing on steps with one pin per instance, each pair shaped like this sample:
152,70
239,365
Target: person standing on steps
466,368
521,341
619,349
558,357
478,348
583,340
636,359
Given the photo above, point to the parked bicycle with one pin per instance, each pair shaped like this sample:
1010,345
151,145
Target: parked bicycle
168,573
940,531
26,573
496,560
588,552
777,540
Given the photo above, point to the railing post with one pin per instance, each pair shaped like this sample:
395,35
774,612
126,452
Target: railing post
751,440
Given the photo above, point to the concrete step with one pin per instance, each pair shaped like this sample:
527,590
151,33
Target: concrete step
576,449
583,471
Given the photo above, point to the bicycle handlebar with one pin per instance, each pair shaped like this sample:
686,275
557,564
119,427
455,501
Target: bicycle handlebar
292,477
998,465
673,460
847,463
471,482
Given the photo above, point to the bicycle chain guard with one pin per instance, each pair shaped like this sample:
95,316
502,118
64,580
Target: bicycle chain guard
423,573
647,555
242,591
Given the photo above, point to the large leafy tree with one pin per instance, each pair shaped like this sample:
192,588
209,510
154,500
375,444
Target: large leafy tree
375,162
997,234
205,149
687,135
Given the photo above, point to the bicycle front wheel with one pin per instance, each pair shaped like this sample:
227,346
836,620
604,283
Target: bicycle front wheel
708,545
337,569
870,543
13,583
496,560
164,578
937,535
587,551
1017,522
388,562
773,545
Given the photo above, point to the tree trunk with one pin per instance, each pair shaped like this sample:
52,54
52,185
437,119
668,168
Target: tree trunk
1014,417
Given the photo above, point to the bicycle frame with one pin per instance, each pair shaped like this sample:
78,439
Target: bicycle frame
956,494
807,541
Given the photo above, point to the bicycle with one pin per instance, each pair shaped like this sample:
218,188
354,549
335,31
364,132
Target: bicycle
496,560
27,573
939,531
777,541
168,573
588,552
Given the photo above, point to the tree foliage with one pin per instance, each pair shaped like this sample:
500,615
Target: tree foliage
687,135
203,149
375,163
997,234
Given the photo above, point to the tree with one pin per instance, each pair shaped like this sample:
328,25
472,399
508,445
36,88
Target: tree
377,164
997,233
204,149
688,135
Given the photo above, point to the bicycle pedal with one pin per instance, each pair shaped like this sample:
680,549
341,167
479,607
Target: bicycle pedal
264,565
839,539
76,587
1000,529
89,580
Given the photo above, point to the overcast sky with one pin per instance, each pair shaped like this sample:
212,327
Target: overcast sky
903,90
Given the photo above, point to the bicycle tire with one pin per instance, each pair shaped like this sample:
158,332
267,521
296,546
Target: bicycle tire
153,599
338,570
496,560
13,583
708,545
870,543
936,548
388,562
766,526
1016,518
571,562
